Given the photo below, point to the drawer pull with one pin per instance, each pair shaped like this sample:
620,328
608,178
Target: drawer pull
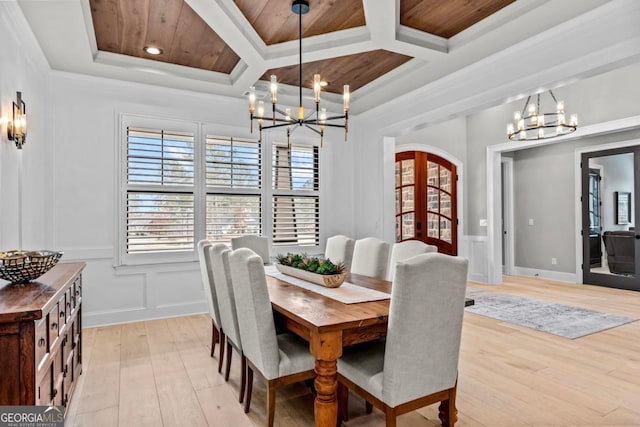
54,392
62,314
42,342
54,325
66,369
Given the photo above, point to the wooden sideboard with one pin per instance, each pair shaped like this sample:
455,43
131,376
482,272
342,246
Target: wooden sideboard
41,338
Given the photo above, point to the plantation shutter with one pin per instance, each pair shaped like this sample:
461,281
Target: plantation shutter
295,200
234,184
160,191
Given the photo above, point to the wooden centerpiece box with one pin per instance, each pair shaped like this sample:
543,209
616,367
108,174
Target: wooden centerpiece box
41,338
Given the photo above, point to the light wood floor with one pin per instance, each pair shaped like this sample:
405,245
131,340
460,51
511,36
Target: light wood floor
159,373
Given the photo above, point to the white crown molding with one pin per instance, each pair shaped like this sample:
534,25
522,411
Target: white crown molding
65,33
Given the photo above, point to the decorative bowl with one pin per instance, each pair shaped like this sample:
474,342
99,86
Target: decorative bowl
326,280
23,266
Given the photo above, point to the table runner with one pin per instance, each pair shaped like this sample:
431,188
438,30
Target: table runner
347,293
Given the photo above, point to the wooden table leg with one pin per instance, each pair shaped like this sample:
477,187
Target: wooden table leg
326,348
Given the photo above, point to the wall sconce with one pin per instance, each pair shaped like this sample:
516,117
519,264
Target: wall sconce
17,126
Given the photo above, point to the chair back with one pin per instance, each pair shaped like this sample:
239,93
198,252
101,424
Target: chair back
340,249
405,250
255,316
425,326
219,260
370,257
207,281
258,244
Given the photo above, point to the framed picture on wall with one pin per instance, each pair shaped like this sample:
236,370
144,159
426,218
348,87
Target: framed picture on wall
622,205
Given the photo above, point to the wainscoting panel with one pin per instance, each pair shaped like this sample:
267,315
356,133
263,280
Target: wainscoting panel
475,249
120,295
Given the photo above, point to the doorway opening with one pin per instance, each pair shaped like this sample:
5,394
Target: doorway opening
610,242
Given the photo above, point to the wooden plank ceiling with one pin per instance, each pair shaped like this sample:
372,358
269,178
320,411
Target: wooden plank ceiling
446,18
274,21
127,26
355,70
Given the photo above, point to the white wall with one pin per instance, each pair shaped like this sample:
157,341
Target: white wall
23,68
85,111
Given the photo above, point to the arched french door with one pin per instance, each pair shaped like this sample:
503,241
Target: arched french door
426,200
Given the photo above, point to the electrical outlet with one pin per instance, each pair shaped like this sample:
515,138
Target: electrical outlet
483,222
530,221
554,261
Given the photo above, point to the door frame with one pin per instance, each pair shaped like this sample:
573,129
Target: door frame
578,193
462,249
508,219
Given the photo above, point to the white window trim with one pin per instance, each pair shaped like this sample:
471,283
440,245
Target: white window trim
200,130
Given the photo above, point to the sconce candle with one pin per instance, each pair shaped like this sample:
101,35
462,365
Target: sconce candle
17,126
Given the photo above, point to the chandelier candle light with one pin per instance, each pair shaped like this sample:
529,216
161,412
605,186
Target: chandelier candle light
316,120
532,123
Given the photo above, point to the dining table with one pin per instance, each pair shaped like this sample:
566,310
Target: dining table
329,326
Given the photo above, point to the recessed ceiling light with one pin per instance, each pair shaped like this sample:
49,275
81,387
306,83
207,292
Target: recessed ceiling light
152,50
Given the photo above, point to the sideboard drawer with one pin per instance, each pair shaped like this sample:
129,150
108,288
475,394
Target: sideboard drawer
42,341
54,325
45,388
68,305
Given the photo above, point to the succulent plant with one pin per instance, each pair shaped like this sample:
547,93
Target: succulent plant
312,264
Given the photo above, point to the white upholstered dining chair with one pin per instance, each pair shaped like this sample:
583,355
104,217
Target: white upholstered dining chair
340,249
405,250
212,300
219,259
417,365
280,359
370,257
258,244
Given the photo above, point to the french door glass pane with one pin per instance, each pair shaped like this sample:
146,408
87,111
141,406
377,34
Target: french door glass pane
408,199
445,204
398,180
398,225
445,230
432,199
398,210
407,226
408,172
445,179
432,225
432,173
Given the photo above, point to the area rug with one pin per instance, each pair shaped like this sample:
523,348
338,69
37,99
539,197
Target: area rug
563,320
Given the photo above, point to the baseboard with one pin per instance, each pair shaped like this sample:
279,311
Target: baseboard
560,276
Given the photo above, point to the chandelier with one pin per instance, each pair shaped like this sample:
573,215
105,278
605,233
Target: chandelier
532,123
316,120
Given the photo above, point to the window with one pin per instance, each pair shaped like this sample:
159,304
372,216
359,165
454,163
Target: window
181,183
234,182
295,201
160,186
